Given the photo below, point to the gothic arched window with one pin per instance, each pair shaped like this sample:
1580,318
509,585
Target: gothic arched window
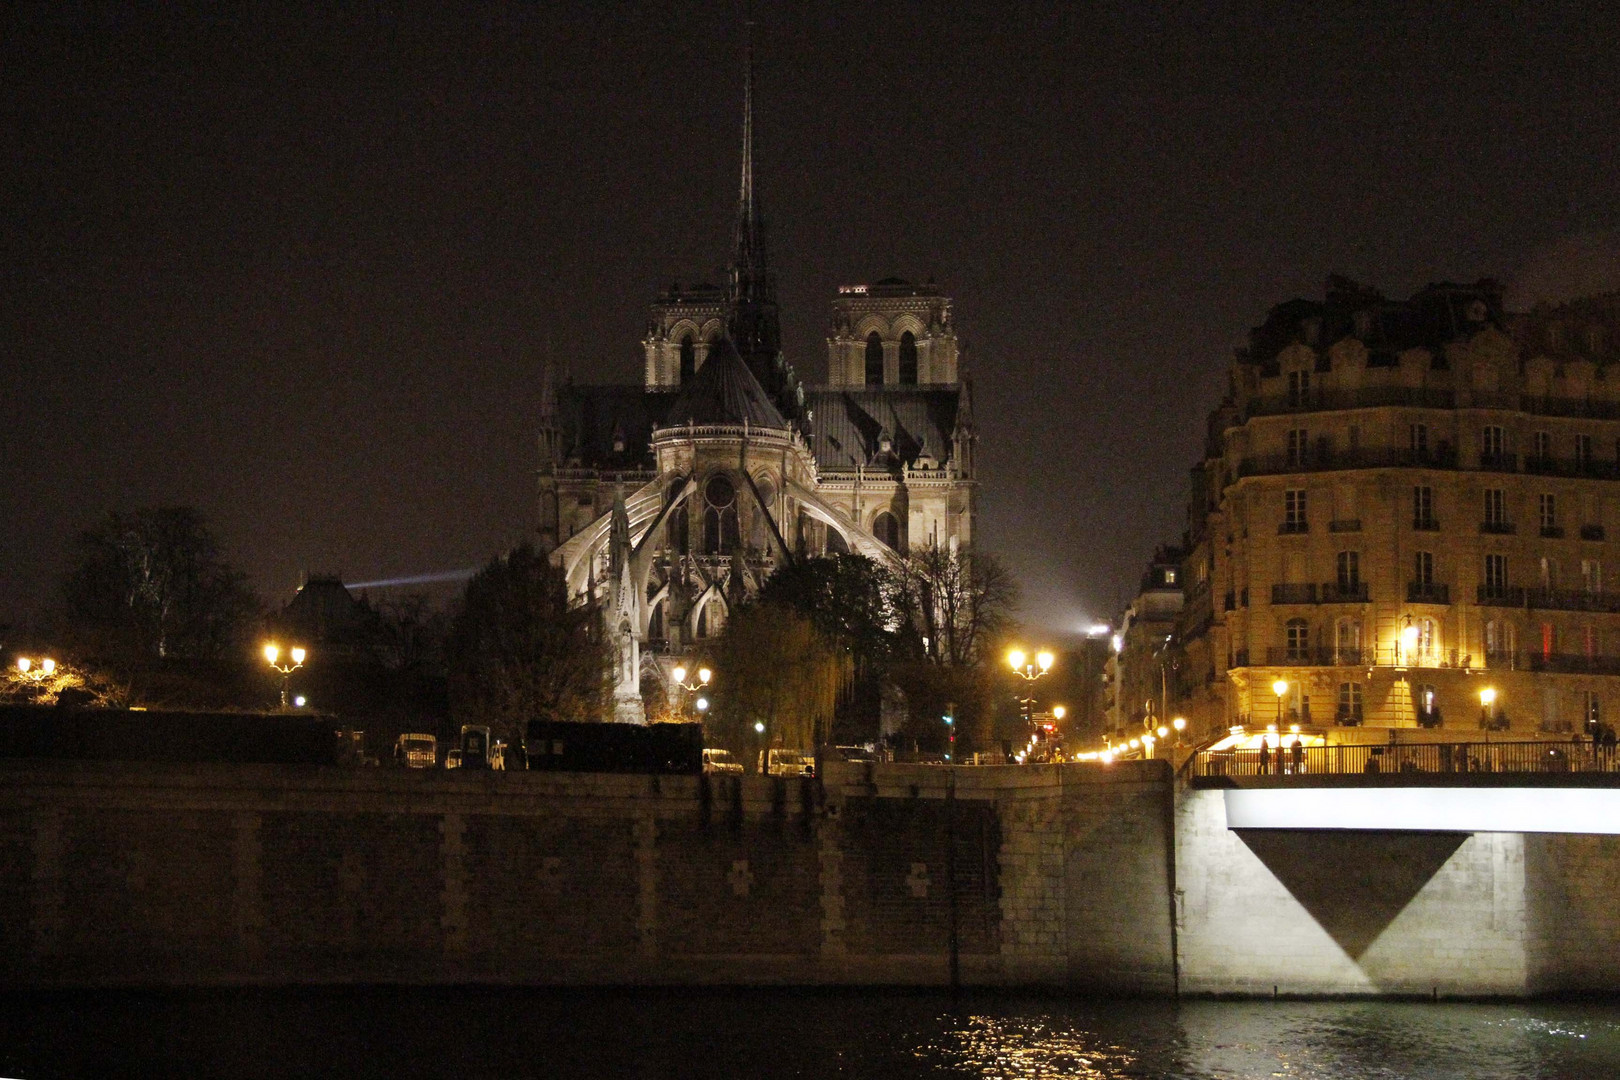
679,538
886,528
720,517
688,359
908,359
874,359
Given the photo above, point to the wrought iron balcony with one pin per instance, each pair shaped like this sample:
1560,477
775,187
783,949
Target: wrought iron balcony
1501,528
1344,592
1500,596
1591,532
1294,593
1330,656
1427,592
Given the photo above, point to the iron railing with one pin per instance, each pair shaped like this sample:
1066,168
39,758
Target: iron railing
1568,756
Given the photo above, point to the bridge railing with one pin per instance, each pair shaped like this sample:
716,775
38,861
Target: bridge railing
1564,756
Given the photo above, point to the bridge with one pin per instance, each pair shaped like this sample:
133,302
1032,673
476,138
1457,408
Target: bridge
1508,787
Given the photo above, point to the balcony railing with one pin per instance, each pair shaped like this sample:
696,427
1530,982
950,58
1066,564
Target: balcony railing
1552,532
1342,759
1500,528
1499,462
1557,466
1427,592
1293,527
1425,525
1366,397
1294,594
1558,663
1321,459
1572,600
1591,532
1350,525
1334,656
1500,596
1344,592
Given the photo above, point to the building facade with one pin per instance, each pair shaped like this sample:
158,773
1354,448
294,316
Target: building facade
1408,515
667,502
1141,667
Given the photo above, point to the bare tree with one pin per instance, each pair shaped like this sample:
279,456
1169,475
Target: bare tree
774,668
960,601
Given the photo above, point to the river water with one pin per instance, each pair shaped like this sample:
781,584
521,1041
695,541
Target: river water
665,1035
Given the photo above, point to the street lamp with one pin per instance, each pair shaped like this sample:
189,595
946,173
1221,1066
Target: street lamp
35,672
272,654
1487,697
1180,724
1029,672
703,677
1280,687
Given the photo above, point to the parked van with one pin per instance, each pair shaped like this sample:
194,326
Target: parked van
416,751
788,763
720,761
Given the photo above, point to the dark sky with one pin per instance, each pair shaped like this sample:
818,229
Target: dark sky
301,273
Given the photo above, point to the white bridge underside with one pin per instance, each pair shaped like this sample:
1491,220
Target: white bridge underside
1417,809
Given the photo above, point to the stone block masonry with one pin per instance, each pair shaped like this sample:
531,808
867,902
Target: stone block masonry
120,874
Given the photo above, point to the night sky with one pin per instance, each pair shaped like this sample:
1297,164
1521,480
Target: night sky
302,273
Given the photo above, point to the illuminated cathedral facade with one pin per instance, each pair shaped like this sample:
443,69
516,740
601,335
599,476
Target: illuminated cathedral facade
667,502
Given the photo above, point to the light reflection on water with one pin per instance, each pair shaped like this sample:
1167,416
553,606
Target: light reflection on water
673,1035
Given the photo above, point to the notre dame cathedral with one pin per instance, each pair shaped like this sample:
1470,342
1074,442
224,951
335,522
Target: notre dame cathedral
667,502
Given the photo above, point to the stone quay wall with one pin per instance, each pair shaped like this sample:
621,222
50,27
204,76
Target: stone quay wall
126,874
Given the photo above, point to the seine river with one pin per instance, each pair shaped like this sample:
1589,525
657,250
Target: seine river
770,1034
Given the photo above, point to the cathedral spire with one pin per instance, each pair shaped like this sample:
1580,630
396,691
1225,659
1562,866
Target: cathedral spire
752,320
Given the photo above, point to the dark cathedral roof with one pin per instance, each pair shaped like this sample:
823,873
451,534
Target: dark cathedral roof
724,391
849,424
609,427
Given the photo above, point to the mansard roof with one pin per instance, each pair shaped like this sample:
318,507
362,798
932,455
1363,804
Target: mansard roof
724,391
849,423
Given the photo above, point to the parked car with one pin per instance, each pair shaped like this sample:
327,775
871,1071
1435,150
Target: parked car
416,751
452,759
788,763
720,761
853,753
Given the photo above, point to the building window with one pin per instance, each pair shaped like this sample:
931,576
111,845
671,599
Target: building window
679,537
1583,451
1423,569
1347,641
1547,510
1541,441
1170,575
1299,388
1420,439
1549,640
1298,639
1495,508
1298,444
1493,442
688,359
1498,638
908,359
1589,640
886,527
1428,641
1349,703
1496,575
1349,566
1591,709
874,359
1549,573
1423,507
720,518
1294,510
1592,575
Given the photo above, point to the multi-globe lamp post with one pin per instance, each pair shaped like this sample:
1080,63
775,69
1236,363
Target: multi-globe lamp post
1029,670
703,677
35,670
294,661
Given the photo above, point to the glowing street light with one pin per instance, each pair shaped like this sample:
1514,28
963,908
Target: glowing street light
703,677
1280,687
35,671
272,656
1029,671
1487,697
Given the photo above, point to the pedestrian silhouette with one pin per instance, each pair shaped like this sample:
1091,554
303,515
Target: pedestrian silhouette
1265,756
1297,751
